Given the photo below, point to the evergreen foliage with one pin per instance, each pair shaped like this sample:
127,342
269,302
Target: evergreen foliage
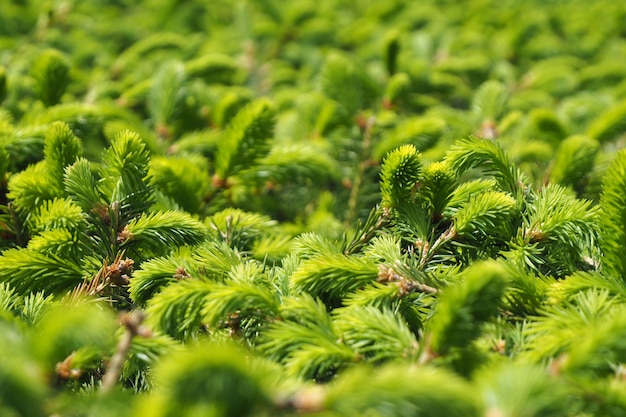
613,217
312,208
50,72
465,306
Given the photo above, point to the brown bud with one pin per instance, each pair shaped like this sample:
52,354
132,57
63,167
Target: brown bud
181,273
124,236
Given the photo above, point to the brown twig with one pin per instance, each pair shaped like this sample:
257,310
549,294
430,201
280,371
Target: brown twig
406,286
132,322
429,251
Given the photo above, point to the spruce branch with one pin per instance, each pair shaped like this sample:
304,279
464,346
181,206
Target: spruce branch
378,294
34,307
60,213
51,74
344,82
184,179
526,292
405,285
610,125
241,225
155,42
464,307
156,273
76,363
27,271
559,327
581,281
165,97
110,283
85,328
246,294
438,184
31,187
213,68
246,139
391,50
489,212
305,341
17,225
311,245
298,163
9,299
524,389
331,277
557,215
29,309
491,159
144,355
212,377
85,120
125,178
90,287
397,89
604,347
574,161
482,220
399,174
366,231
405,298
215,259
160,231
427,251
60,242
81,185
239,228
376,334
61,149
390,390
414,224
613,217
489,102
384,248
177,310
561,229
423,132
463,192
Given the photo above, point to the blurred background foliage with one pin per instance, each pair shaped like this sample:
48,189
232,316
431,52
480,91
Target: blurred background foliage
530,75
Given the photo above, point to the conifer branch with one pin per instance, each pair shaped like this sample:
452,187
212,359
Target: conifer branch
491,158
333,276
465,306
161,230
246,139
177,309
613,218
375,334
366,231
399,174
405,286
389,389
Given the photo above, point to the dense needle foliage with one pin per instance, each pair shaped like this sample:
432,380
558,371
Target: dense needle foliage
327,208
